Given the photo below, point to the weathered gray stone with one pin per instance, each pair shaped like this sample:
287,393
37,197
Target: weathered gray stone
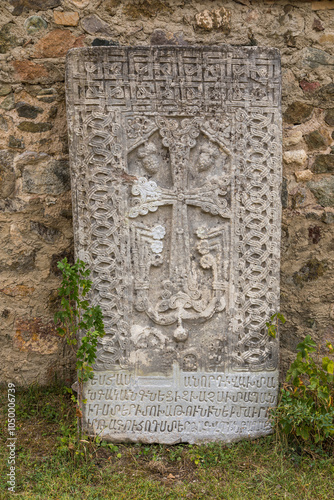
53,113
30,158
47,233
284,193
323,164
161,37
20,263
176,169
328,217
101,42
8,103
26,110
310,271
47,95
317,25
35,128
7,174
329,117
46,176
34,24
7,39
93,24
325,95
21,6
15,142
316,57
323,190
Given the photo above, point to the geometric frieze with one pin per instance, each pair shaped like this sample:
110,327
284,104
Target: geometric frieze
176,172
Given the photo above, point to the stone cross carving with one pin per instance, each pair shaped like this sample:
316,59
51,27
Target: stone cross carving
175,162
187,302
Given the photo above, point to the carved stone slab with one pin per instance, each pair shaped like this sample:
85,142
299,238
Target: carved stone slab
176,171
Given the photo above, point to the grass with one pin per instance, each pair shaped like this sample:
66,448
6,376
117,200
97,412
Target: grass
49,465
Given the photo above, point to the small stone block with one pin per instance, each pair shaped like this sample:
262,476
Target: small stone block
329,117
297,156
323,164
66,18
293,137
323,5
304,175
315,140
34,24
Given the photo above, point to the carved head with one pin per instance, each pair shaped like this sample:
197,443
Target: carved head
207,157
148,155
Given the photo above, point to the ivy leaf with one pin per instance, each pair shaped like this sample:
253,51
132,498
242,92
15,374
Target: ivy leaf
272,331
281,318
330,367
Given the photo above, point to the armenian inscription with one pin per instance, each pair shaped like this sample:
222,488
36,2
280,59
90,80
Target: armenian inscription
176,171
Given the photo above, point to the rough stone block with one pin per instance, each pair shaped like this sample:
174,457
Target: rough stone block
297,112
216,19
34,128
45,176
7,174
304,175
323,164
315,58
323,190
66,18
176,172
5,89
26,110
29,71
34,24
329,117
8,103
93,24
316,140
57,43
36,335
21,6
323,5
297,156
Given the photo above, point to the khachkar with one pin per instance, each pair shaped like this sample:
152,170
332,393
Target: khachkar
176,171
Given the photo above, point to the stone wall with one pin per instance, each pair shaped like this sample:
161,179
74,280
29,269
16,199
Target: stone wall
35,201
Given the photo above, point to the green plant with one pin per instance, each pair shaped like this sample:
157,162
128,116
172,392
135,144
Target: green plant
99,442
305,413
77,318
272,324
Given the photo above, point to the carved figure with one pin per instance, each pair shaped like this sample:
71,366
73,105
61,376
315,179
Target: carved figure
207,157
149,157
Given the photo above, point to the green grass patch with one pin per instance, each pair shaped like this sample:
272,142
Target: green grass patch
50,465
